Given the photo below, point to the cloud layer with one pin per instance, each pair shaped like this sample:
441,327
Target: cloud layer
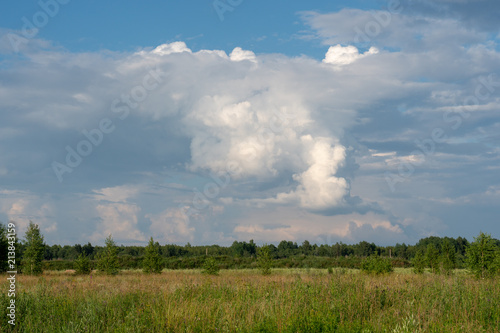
385,139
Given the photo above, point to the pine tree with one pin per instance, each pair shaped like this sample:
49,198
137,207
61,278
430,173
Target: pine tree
108,259
152,262
82,264
264,259
419,262
448,257
34,250
482,256
432,257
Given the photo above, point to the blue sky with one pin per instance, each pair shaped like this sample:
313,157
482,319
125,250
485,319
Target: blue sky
269,27
325,121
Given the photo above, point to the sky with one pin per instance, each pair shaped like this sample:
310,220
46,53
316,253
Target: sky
213,121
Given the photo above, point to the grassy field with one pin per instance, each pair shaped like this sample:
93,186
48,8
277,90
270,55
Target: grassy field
306,300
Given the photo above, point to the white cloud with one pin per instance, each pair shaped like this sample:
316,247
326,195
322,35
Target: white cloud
252,231
239,54
25,206
117,193
118,220
218,53
117,213
414,33
288,224
260,121
318,188
340,55
175,47
171,226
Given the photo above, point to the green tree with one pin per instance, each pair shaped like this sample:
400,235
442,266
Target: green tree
82,264
462,245
88,249
496,262
448,257
264,259
244,249
365,249
34,250
401,250
419,262
286,249
432,257
482,256
152,262
107,261
306,247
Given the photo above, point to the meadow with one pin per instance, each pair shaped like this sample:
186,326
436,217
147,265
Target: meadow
288,300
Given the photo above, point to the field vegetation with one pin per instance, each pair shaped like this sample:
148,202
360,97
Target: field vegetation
437,285
288,300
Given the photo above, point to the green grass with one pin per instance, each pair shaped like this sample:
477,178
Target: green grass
289,300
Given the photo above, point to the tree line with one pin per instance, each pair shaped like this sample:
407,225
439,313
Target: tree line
438,254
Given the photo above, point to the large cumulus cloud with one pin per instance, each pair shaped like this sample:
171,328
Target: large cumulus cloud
249,118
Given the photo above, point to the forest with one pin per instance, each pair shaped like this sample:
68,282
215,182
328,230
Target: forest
243,254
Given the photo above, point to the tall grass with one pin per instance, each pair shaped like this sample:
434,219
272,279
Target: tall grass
246,301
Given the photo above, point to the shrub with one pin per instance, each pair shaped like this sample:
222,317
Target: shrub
82,265
211,267
376,265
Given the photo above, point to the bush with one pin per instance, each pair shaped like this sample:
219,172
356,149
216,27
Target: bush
376,265
82,265
211,267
